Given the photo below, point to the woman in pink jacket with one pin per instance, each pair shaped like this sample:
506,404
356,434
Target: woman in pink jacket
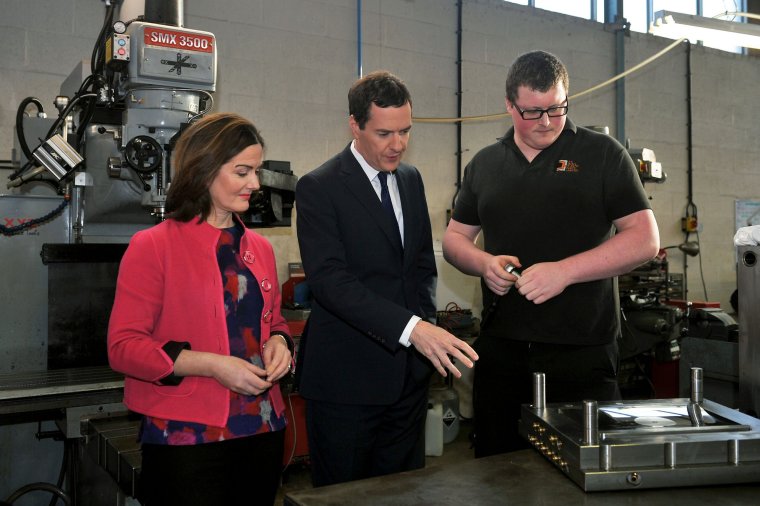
197,330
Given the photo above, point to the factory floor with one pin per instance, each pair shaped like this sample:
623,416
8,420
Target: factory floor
297,475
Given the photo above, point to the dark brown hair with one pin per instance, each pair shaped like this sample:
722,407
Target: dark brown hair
536,70
380,88
201,151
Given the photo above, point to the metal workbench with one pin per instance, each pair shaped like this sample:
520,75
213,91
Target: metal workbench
59,389
519,478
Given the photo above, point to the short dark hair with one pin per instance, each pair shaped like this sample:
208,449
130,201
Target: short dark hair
380,88
537,70
200,152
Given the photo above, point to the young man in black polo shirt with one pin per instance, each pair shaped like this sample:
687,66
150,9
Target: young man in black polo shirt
566,206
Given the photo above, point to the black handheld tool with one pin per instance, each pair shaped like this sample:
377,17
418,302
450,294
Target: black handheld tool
488,313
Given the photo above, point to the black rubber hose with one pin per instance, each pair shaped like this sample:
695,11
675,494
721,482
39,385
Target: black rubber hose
98,56
62,474
47,487
84,120
20,123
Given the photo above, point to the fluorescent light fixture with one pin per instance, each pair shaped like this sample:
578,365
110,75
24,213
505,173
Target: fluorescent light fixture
676,25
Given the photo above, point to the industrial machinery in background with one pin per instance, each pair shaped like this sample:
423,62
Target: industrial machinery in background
98,170
651,328
660,326
86,175
749,334
664,336
108,150
650,170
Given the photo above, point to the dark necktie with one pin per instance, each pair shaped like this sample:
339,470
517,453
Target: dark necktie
385,198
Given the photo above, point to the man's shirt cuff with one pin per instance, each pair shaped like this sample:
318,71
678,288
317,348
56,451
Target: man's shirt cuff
407,333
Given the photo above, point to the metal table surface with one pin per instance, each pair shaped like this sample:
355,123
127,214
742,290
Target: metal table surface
519,478
59,388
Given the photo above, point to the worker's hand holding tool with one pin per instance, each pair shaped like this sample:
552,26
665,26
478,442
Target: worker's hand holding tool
513,272
496,276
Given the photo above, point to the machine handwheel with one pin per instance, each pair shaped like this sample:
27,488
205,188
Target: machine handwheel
144,154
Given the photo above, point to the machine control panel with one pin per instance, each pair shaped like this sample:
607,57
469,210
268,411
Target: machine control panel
117,50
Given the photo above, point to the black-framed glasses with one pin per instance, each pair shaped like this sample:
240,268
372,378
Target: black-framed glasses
553,112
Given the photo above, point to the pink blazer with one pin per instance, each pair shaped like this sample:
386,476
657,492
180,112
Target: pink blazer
169,289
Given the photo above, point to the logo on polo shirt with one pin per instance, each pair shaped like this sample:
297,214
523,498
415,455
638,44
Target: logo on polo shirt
567,166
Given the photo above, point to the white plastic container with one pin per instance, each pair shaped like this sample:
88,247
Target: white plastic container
448,400
434,431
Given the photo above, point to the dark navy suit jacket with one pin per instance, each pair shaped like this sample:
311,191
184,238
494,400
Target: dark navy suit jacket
366,287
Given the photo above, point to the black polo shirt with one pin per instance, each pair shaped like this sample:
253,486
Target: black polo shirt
560,204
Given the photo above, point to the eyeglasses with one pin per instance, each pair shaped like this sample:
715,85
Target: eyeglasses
552,112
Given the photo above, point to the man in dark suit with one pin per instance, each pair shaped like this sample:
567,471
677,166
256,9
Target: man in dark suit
366,246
